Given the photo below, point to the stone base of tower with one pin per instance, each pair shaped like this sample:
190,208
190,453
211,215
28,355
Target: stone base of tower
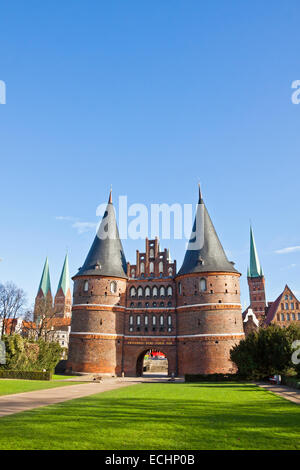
206,355
94,354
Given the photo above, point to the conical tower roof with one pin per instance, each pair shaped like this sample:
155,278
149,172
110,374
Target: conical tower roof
64,281
45,285
205,252
106,256
255,269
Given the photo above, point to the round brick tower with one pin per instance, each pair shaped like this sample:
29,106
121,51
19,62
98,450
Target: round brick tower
96,338
209,313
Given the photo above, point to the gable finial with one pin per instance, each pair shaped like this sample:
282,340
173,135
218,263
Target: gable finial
200,193
110,195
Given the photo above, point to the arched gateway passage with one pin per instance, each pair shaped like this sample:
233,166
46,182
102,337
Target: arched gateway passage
152,362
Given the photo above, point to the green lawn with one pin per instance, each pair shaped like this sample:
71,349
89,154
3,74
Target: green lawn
7,387
160,416
63,377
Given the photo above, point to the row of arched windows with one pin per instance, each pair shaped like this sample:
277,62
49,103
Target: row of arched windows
147,321
140,292
288,317
151,269
147,304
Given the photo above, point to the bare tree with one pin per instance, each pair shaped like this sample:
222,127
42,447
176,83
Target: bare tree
28,327
39,323
12,302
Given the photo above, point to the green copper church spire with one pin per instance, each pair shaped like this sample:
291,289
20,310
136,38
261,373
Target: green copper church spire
45,285
255,269
64,281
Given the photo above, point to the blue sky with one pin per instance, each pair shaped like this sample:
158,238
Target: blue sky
149,97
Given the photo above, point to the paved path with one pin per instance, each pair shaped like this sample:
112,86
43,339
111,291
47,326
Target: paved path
10,404
290,394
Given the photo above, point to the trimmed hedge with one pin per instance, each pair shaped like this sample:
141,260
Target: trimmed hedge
25,374
292,382
212,377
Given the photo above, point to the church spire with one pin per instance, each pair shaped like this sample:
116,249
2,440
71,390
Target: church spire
63,298
255,269
205,252
64,281
106,256
45,285
200,201
43,300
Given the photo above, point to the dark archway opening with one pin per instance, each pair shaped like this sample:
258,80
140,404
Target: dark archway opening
152,362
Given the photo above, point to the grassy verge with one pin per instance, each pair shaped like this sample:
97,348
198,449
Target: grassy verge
8,387
160,416
63,377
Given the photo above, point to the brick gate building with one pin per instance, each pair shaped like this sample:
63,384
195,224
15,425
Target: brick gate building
120,310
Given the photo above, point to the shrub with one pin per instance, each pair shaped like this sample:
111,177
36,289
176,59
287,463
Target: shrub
48,356
292,382
25,374
29,355
265,352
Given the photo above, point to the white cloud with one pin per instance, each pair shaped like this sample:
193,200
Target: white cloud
67,217
83,227
289,249
291,266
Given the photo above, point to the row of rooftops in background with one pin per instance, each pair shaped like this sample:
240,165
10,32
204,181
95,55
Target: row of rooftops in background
53,329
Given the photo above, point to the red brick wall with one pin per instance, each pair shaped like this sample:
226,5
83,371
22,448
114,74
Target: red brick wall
90,353
257,297
106,345
205,355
